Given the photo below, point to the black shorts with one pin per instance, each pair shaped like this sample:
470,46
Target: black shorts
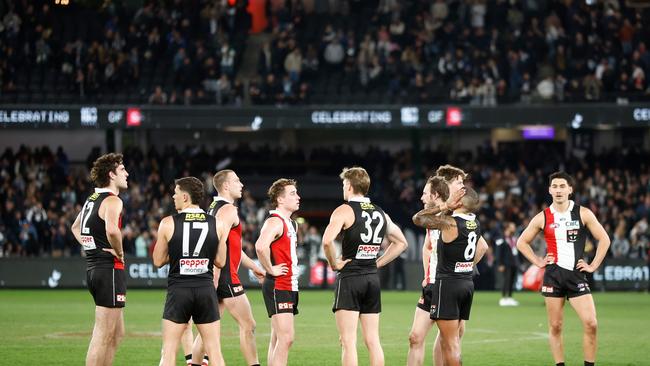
198,303
225,290
360,293
425,299
451,299
108,286
560,282
279,301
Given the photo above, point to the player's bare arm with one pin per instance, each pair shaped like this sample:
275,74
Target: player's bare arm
426,253
222,231
600,235
527,236
271,230
397,243
341,218
247,262
228,215
481,249
112,209
161,250
76,228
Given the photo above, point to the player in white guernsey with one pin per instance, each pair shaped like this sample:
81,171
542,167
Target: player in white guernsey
564,224
435,193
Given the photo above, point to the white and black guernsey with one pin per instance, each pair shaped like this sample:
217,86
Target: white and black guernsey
362,241
192,249
565,235
456,259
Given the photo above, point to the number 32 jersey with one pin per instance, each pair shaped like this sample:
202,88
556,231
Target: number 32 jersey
362,241
456,259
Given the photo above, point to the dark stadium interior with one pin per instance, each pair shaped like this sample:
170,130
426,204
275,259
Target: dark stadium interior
322,52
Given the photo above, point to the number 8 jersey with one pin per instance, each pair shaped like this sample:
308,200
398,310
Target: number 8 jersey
456,259
192,249
362,241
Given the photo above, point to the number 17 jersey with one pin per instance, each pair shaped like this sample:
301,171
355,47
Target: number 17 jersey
456,259
192,249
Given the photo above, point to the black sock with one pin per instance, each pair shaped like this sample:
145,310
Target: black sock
188,357
587,363
257,364
559,364
196,364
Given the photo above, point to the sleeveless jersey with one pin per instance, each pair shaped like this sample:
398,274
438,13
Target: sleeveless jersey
565,235
362,241
283,250
434,236
192,249
456,259
93,233
229,273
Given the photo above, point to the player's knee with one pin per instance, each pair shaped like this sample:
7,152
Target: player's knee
119,335
249,327
591,326
555,327
286,340
416,338
371,342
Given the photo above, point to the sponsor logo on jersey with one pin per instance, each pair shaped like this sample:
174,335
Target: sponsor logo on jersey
88,242
285,306
464,267
367,206
547,289
193,266
367,251
470,225
93,196
194,217
575,224
120,297
553,226
572,235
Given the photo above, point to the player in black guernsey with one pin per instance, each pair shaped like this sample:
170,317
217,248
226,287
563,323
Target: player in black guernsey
460,247
565,225
365,226
230,291
190,242
97,229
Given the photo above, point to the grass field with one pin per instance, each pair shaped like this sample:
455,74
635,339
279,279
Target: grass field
53,328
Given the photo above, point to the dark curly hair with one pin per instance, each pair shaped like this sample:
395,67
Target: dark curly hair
102,166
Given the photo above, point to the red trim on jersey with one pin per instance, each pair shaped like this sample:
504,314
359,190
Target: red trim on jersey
234,251
281,253
117,264
549,234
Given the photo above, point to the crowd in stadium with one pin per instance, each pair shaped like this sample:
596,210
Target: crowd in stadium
463,51
42,191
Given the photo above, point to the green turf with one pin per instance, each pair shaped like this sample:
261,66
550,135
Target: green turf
53,328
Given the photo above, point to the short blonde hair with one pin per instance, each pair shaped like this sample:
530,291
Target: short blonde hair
220,178
358,178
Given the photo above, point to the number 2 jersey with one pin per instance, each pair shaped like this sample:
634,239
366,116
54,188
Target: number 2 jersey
456,259
192,249
93,233
362,241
